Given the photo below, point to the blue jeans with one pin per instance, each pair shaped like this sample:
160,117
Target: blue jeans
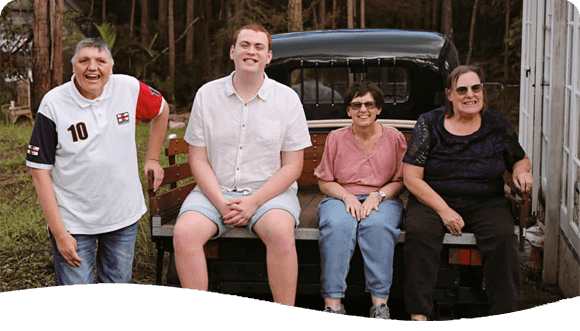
377,236
113,256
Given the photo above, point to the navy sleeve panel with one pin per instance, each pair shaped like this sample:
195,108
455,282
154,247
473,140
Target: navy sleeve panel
42,147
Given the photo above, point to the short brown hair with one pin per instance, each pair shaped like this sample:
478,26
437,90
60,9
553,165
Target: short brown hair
362,88
452,80
254,27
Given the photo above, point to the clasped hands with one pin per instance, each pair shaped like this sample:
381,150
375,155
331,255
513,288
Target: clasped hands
238,211
360,210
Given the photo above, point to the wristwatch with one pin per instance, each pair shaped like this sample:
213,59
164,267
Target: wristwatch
383,195
380,194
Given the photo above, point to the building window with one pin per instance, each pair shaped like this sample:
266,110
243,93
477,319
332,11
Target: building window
571,140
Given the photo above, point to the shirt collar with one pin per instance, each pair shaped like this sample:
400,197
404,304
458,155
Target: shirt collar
263,92
84,102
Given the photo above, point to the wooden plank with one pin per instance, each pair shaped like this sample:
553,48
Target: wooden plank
163,202
176,146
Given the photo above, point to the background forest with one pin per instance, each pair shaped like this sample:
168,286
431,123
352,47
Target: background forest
177,45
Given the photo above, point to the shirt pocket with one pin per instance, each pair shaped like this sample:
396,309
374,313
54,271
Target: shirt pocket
269,132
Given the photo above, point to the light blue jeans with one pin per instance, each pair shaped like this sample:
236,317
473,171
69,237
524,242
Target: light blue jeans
376,235
114,257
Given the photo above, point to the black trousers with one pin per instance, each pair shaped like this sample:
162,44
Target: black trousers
493,226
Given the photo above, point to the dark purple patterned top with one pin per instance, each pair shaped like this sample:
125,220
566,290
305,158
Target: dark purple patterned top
463,170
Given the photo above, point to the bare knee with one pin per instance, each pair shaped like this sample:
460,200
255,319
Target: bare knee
192,231
276,229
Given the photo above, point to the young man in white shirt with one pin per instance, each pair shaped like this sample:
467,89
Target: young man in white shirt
83,161
247,135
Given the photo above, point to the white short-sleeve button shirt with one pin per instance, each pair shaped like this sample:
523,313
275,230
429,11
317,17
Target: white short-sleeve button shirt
244,139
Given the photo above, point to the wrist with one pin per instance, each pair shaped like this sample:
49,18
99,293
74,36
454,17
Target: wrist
345,195
380,194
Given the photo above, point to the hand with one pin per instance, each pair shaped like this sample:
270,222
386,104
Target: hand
370,203
67,247
452,221
241,210
158,172
523,181
353,206
360,210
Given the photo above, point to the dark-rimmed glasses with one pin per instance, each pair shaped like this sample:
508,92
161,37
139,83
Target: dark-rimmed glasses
461,90
358,105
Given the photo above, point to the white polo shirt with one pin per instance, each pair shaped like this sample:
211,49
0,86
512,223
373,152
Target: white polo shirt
89,147
244,140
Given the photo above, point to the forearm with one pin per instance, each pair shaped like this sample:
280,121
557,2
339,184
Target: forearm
47,199
157,134
288,173
206,179
426,195
332,189
523,165
413,180
393,189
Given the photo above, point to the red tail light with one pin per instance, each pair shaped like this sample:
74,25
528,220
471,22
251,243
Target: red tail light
465,256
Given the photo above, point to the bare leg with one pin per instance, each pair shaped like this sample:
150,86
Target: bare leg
276,229
191,232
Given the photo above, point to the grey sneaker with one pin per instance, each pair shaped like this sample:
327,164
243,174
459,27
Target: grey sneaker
340,311
381,311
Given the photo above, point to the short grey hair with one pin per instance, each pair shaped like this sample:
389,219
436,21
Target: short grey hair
92,42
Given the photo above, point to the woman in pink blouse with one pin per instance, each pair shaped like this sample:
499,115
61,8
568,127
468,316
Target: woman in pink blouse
361,174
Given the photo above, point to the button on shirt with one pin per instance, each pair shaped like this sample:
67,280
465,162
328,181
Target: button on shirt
244,139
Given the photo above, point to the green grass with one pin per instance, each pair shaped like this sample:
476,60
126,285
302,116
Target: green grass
25,254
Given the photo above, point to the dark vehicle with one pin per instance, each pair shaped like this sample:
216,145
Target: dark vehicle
411,68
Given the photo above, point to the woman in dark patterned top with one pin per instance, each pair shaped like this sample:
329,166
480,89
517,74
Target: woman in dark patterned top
454,168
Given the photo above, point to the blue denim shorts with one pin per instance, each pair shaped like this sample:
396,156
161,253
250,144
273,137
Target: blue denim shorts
198,201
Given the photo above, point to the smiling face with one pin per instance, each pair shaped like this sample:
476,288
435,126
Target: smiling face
470,103
92,69
363,117
251,53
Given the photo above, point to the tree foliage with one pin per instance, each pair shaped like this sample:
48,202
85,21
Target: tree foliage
203,53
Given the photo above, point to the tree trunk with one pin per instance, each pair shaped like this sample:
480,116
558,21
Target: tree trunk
163,21
447,18
40,52
505,42
350,14
132,21
56,38
322,14
334,13
104,11
144,22
294,15
435,18
189,39
206,56
362,14
91,10
170,24
471,32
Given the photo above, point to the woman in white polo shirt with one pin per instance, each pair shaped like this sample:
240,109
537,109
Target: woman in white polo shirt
83,160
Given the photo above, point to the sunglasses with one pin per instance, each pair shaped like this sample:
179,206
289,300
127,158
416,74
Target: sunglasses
358,105
461,90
